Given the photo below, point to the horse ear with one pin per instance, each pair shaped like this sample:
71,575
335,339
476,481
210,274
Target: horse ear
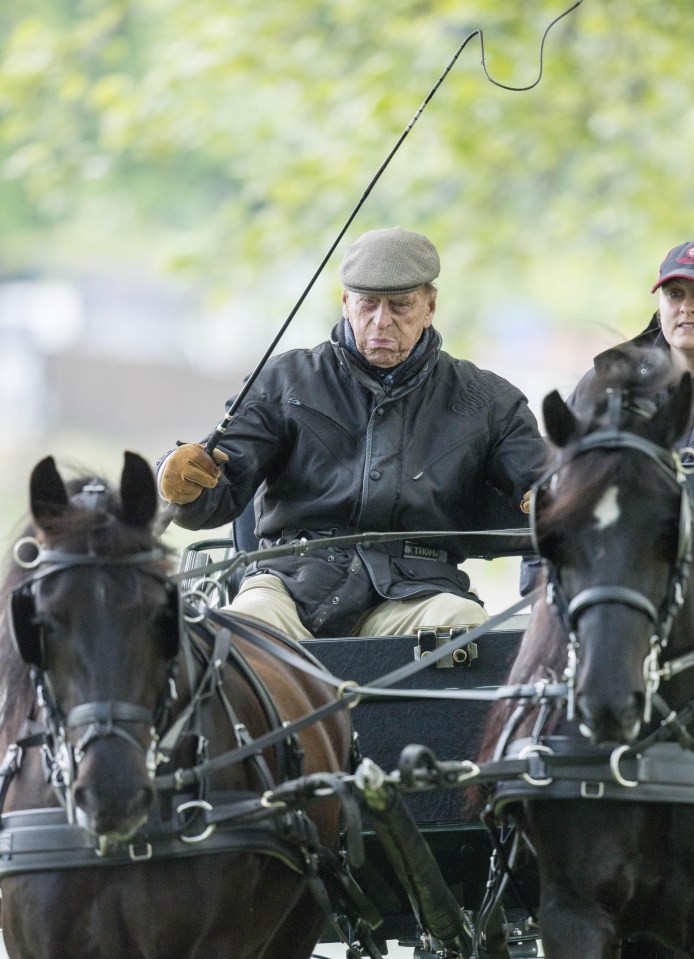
138,491
560,422
675,415
47,493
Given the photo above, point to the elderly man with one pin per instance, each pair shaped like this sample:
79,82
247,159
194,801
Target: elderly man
376,429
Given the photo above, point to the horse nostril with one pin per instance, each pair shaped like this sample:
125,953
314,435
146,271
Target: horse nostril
633,707
584,717
583,708
142,801
83,797
632,716
135,807
603,722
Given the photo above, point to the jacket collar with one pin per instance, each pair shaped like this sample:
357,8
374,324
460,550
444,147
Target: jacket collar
423,356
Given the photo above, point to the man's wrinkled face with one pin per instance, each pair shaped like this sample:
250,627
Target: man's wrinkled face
387,327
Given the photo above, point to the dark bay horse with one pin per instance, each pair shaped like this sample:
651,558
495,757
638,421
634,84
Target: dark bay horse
115,840
605,799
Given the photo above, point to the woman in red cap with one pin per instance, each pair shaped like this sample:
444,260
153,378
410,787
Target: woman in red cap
672,325
670,331
675,314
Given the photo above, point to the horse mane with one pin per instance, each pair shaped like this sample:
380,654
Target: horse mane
541,658
16,690
590,476
106,534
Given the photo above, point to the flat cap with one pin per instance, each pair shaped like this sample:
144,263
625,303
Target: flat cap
389,261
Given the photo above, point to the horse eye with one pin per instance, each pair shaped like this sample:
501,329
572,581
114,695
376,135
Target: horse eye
49,623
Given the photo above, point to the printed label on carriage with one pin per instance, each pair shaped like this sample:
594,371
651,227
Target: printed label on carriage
419,551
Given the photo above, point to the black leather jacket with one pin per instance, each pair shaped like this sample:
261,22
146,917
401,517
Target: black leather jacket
332,449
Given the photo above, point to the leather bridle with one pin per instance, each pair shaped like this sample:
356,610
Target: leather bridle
100,719
662,617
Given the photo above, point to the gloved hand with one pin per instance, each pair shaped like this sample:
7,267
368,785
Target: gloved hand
189,470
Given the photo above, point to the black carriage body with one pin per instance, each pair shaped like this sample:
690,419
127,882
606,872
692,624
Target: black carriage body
452,729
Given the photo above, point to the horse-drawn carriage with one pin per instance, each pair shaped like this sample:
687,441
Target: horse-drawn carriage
182,783
441,714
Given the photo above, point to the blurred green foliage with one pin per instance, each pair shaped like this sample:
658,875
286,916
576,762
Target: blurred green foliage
243,133
227,141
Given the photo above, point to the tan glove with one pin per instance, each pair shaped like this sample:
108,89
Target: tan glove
189,470
525,502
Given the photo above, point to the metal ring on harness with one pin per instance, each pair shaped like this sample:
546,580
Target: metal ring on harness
205,582
267,801
342,689
197,804
689,451
467,770
25,563
529,750
200,594
615,757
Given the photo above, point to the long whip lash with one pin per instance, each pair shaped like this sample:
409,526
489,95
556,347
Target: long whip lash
224,423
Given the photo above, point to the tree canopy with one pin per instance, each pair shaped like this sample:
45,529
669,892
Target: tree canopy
241,134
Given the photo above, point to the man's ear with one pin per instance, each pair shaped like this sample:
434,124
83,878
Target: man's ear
431,301
345,304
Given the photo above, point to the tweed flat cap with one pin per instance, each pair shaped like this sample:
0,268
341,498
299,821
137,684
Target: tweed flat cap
389,261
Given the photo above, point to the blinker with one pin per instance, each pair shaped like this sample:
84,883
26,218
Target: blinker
25,631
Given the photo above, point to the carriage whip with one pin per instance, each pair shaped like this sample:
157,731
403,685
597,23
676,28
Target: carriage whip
225,422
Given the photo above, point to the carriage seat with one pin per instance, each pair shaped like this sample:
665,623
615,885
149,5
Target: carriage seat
243,531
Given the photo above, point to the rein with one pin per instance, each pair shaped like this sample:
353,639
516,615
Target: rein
350,693
516,542
110,718
222,822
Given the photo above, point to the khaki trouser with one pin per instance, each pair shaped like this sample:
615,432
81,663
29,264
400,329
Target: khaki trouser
267,598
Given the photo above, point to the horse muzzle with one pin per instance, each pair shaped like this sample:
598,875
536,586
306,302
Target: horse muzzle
112,792
617,721
111,785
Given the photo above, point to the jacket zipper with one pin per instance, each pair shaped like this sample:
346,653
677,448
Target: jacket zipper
312,409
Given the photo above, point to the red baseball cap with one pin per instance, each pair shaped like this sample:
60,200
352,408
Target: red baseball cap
678,263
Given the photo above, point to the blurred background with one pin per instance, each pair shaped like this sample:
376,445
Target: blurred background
172,174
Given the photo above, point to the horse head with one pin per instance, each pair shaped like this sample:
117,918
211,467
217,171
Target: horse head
97,621
612,522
